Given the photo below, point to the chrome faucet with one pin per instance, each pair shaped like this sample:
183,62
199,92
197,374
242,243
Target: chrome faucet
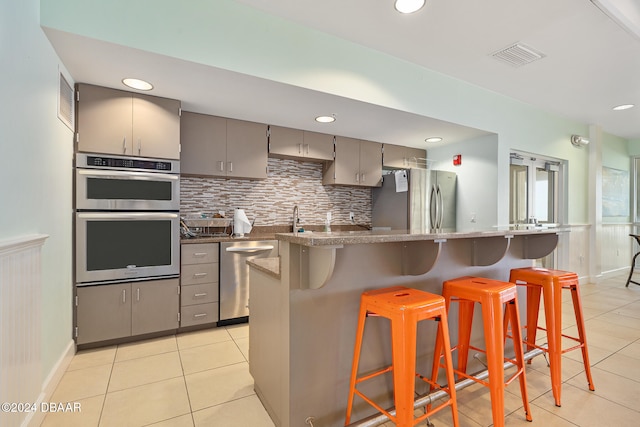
296,219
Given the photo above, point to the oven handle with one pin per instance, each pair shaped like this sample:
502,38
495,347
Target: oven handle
128,175
128,215
249,249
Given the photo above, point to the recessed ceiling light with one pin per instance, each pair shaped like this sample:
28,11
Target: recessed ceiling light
137,84
433,139
623,107
409,6
326,119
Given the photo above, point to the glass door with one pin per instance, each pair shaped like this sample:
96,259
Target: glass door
534,194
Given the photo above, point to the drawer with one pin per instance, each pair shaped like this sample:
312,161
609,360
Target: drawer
198,273
199,314
198,294
198,253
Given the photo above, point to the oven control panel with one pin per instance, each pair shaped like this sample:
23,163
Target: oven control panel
126,163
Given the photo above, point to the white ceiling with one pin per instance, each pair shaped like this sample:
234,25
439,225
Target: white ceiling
591,64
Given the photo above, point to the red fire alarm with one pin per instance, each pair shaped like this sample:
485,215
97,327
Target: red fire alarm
457,160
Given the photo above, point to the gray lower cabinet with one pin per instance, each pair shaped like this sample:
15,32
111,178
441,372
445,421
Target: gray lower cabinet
107,312
199,284
154,306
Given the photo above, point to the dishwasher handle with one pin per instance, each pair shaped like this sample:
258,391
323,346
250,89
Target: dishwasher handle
248,250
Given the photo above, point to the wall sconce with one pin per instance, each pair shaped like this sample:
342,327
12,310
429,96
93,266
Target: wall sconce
579,141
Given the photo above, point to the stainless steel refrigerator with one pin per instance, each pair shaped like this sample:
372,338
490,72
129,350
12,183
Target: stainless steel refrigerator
418,200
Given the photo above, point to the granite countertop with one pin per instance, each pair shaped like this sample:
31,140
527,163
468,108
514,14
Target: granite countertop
216,239
384,236
271,266
259,233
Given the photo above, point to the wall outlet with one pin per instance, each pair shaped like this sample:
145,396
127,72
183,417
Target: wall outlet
352,217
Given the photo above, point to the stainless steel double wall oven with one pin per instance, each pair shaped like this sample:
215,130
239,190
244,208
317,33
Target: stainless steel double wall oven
126,219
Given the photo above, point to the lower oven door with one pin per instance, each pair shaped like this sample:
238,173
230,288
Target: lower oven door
114,246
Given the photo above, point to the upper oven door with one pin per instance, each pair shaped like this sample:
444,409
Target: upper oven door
115,190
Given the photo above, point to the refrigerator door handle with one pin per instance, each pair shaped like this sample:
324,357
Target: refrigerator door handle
433,208
441,208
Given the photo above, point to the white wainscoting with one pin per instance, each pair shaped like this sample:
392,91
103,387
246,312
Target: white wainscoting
577,259
616,248
20,325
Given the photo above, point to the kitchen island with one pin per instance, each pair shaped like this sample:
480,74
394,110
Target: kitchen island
304,315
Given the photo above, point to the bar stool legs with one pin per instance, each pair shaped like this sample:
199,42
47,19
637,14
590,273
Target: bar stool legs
491,294
633,262
550,284
404,307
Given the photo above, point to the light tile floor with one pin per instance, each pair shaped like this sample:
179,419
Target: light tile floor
201,379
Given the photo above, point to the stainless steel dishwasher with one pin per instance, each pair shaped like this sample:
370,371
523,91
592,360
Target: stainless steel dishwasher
234,276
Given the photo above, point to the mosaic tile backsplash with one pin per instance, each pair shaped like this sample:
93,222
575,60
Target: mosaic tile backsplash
271,201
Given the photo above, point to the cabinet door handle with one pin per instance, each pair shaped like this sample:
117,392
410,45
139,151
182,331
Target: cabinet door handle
139,146
221,166
299,148
230,166
200,315
137,294
124,145
362,178
124,296
203,294
357,177
307,149
199,274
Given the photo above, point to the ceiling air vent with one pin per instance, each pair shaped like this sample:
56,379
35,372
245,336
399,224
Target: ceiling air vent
518,55
65,102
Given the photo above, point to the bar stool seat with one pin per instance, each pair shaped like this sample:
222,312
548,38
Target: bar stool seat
492,295
550,284
404,307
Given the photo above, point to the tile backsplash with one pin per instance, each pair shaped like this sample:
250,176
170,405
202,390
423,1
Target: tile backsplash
271,201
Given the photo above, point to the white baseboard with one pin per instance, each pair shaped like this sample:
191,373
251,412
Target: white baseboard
50,383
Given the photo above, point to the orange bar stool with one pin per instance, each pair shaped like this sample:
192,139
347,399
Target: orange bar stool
404,307
550,283
492,295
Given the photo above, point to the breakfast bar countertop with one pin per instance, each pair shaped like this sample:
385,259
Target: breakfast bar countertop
387,236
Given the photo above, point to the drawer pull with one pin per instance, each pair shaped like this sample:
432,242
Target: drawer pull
199,274
200,315
200,254
203,294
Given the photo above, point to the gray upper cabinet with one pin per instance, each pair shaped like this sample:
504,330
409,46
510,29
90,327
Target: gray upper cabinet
112,121
216,146
357,162
399,157
299,144
204,145
247,153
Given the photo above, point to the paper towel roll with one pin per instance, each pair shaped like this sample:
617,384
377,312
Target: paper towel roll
241,224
